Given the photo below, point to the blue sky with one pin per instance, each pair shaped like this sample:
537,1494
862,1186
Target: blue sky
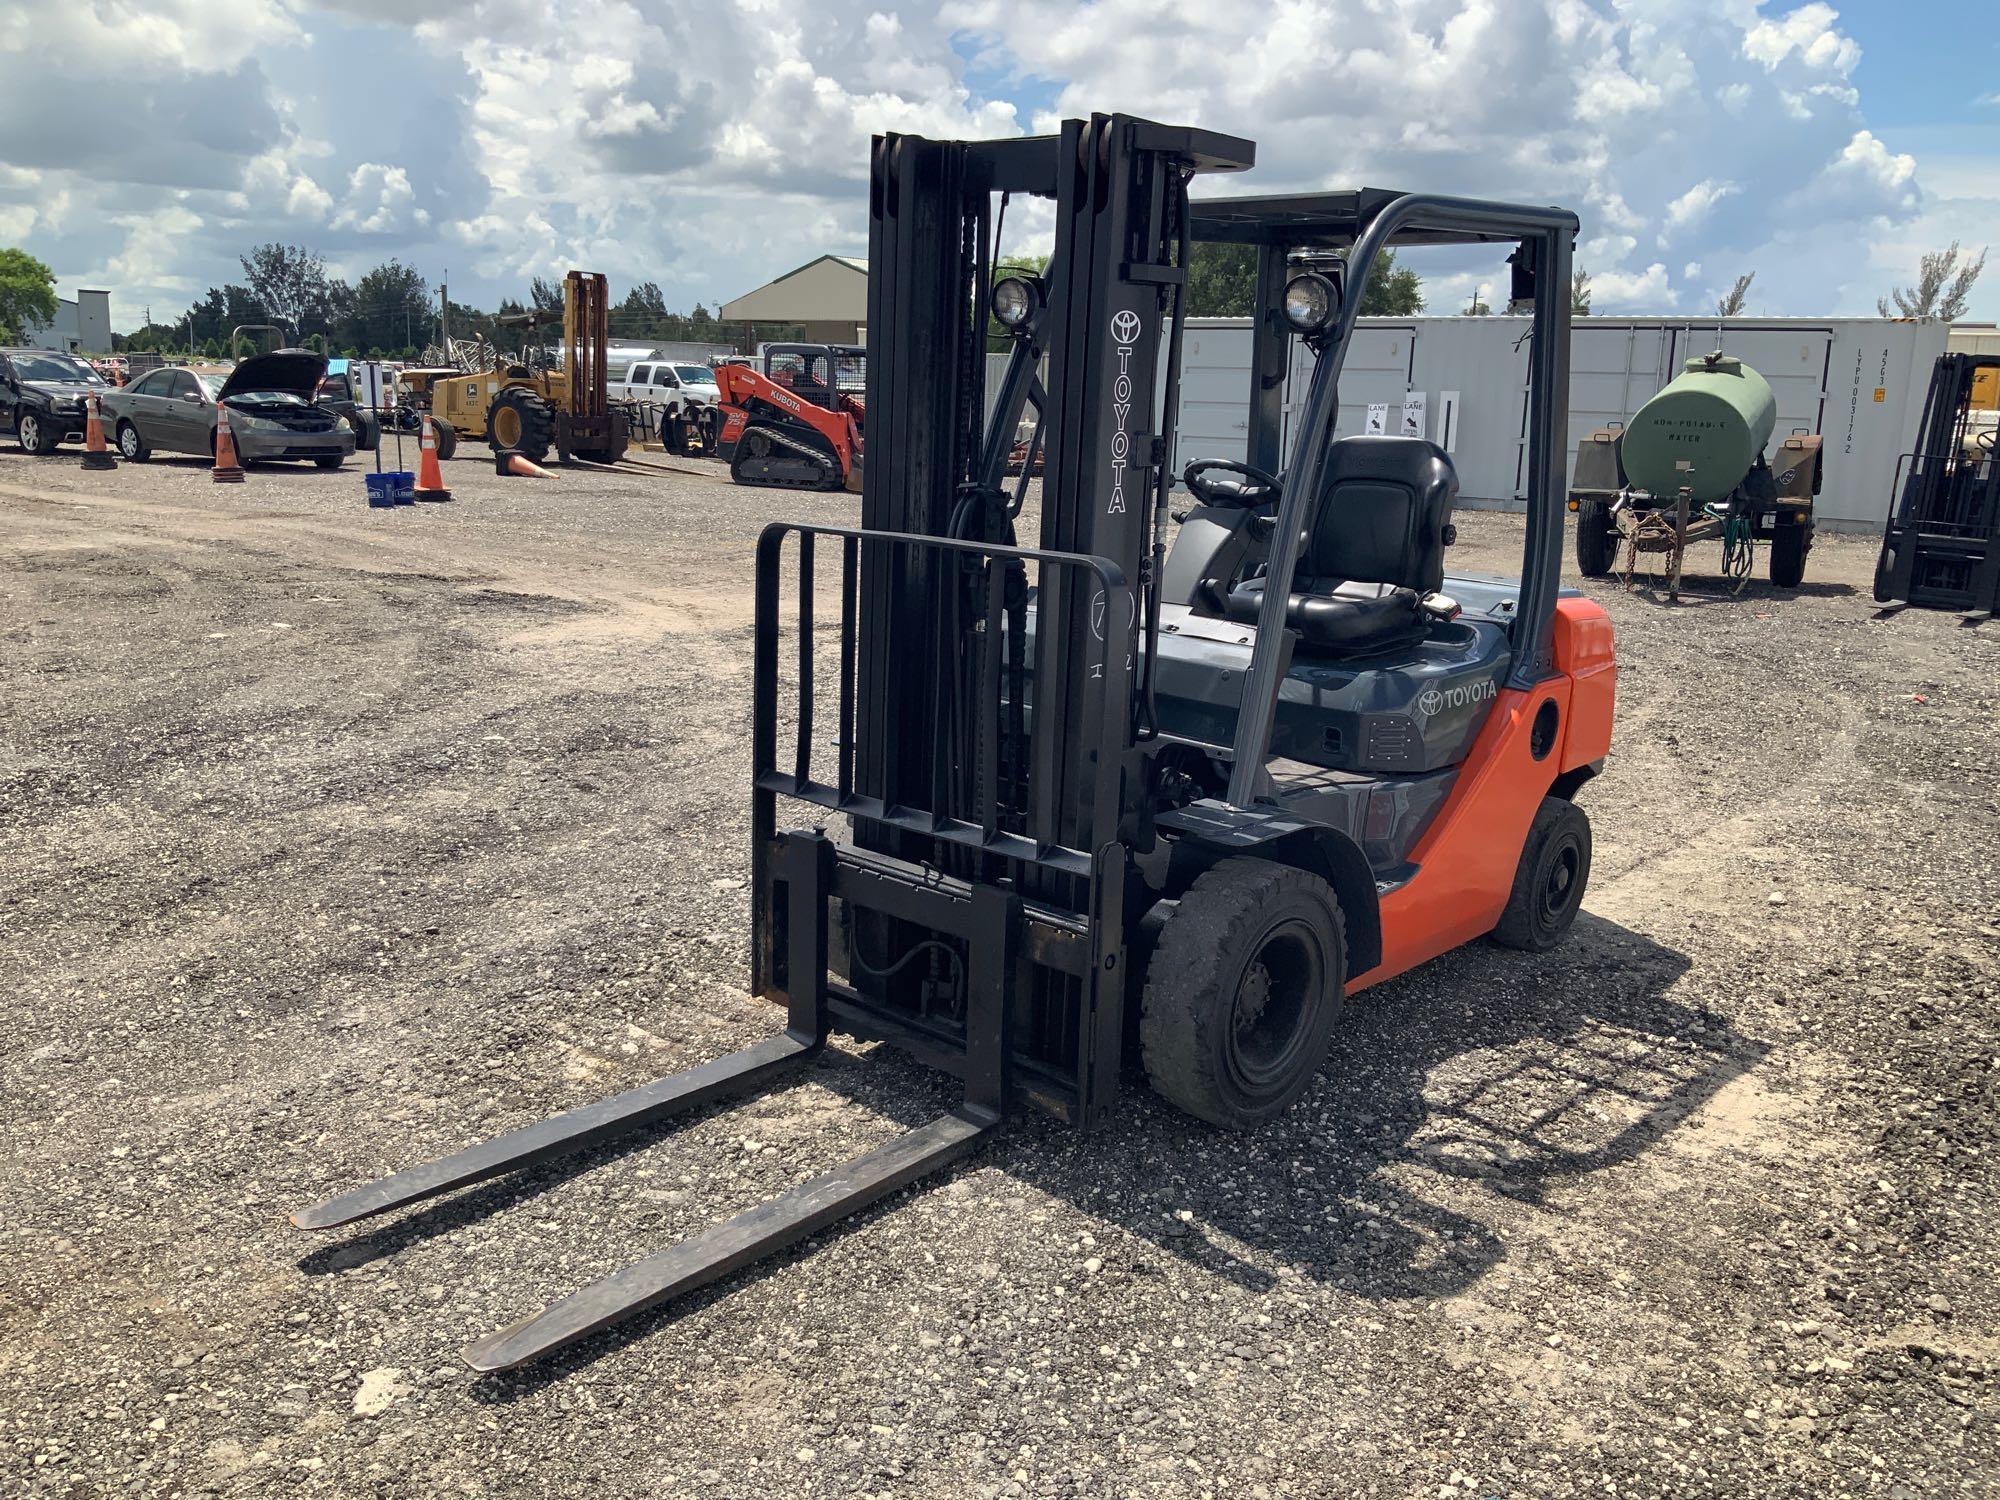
709,148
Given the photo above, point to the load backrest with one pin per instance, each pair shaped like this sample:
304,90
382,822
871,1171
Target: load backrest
1383,514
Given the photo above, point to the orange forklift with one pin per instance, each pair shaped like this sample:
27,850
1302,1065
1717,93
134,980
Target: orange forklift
1079,809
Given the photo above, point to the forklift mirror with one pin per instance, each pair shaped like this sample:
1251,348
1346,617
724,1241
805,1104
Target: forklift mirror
1523,269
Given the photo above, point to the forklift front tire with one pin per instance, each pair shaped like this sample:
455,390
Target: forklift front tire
1243,991
1549,882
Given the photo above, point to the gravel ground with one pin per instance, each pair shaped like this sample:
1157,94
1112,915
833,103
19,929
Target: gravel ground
331,839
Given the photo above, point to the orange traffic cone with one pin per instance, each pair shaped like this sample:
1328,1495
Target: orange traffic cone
95,454
430,478
227,469
507,461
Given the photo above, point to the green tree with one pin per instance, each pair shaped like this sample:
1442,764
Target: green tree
1222,283
27,295
291,284
1730,305
1944,285
1222,280
546,296
1393,291
643,313
1579,293
391,305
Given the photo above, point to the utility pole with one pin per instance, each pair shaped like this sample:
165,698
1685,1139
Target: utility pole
444,312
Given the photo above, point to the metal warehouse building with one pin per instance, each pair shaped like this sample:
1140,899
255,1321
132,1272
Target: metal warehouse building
1462,382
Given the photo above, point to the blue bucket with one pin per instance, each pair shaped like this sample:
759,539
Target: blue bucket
406,486
381,490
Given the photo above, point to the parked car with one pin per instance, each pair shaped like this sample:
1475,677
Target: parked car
271,402
43,395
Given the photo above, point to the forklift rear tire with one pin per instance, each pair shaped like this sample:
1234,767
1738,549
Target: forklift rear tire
447,440
1243,991
1596,539
1549,881
1790,541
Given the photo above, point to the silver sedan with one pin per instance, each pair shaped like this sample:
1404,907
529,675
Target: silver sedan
269,397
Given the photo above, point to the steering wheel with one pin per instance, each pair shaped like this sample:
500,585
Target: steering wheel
1242,485
1985,438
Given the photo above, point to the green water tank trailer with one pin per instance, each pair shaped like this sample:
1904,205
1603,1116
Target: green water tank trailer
1703,432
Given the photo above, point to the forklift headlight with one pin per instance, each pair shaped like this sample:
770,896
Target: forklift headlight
1310,302
1015,300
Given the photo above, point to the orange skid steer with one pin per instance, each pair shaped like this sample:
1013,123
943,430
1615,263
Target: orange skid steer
795,423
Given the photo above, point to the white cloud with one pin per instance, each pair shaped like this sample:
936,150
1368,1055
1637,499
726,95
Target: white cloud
379,198
1629,291
707,148
1807,34
1691,207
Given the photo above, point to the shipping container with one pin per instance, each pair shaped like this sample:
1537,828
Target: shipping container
1462,382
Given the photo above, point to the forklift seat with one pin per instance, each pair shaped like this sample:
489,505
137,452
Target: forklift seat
1376,548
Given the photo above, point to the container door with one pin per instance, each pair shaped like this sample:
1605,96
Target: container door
1794,359
1379,371
1215,395
1614,368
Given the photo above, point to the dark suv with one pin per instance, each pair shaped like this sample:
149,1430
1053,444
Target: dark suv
43,396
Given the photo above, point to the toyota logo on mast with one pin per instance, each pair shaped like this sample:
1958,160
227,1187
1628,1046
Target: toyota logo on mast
1125,326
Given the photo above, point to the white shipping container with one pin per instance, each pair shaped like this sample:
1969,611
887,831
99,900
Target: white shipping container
1857,382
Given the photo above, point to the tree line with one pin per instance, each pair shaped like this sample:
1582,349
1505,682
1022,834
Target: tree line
391,312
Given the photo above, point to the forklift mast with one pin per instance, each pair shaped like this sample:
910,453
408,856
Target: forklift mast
1044,802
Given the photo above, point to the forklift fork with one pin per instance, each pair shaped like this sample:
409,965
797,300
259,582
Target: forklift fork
805,862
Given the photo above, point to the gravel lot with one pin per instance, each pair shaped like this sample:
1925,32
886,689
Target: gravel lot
331,839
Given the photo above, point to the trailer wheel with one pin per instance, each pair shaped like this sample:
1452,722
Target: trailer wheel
1596,539
521,420
1243,991
1549,881
1790,541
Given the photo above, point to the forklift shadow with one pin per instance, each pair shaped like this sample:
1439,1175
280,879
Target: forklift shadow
1484,1075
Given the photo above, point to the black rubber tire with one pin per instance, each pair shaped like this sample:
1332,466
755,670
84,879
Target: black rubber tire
1549,881
447,439
1596,539
1216,954
131,446
535,423
1790,542
34,433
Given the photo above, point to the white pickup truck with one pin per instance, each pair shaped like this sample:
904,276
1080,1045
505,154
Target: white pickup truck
667,383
